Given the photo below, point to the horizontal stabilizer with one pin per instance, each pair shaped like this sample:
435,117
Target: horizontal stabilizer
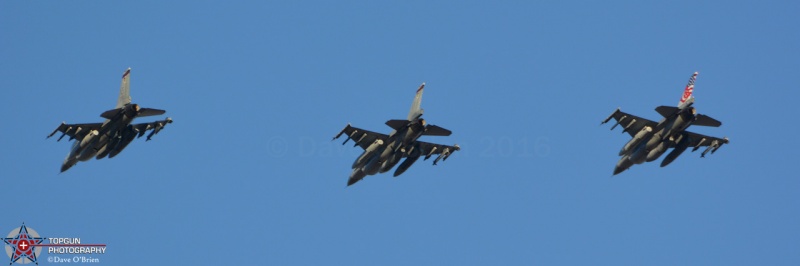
111,113
396,124
667,111
706,121
432,130
150,112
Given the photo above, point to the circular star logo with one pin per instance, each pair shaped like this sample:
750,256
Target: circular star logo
22,245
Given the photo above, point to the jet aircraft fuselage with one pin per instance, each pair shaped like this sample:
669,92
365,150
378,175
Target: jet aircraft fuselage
96,143
650,139
653,142
384,157
383,152
111,136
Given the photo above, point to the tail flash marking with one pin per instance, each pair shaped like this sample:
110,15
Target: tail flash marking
687,93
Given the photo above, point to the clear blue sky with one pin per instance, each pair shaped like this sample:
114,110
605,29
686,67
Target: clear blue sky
247,174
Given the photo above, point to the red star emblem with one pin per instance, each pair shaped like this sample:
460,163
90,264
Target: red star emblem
23,245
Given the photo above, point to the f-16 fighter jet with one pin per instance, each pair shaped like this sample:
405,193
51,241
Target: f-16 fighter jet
382,152
651,139
110,137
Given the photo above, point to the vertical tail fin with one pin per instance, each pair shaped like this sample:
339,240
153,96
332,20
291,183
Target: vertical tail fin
416,110
687,97
125,89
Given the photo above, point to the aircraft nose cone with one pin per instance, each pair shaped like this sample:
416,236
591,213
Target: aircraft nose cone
65,167
622,165
618,170
351,181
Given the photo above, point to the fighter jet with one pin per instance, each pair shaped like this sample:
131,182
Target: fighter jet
110,137
651,139
383,152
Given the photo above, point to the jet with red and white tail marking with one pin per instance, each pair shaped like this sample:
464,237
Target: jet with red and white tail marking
650,139
110,137
382,152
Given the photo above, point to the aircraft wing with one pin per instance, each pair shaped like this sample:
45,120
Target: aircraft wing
429,149
75,131
699,140
156,126
362,137
630,123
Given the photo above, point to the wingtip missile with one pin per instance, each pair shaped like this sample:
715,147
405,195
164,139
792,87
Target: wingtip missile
610,116
341,132
56,130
